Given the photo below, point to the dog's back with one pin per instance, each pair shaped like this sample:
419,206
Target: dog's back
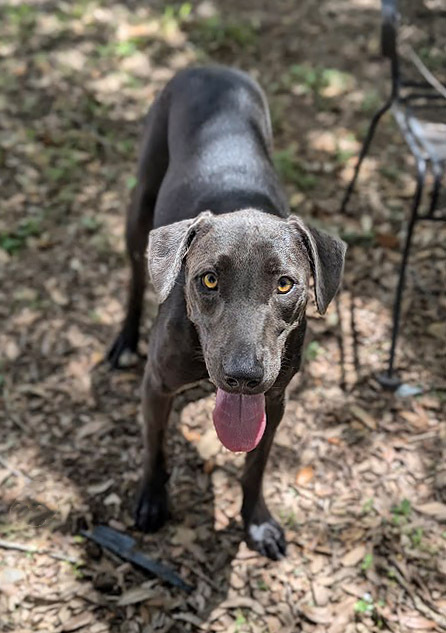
218,141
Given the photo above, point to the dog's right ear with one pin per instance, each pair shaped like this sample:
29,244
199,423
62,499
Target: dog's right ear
167,249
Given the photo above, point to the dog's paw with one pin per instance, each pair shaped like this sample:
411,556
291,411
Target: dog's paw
123,353
152,510
267,538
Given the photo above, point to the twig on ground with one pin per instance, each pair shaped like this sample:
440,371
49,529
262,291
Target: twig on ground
197,571
15,471
419,604
32,549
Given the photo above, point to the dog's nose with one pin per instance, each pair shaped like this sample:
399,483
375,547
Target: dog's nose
243,373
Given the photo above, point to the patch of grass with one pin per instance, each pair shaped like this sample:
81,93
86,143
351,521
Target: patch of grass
134,82
22,16
91,223
390,172
262,586
437,393
89,107
175,15
326,82
277,108
290,169
8,81
75,568
94,316
313,350
126,147
131,182
240,620
357,238
289,519
401,511
14,240
121,49
72,10
416,537
367,562
309,78
365,605
368,506
63,163
342,156
77,538
101,243
371,102
215,32
433,58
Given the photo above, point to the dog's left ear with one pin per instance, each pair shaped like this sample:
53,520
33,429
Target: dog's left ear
167,249
326,254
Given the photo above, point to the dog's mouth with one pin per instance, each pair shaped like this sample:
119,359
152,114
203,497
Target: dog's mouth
239,420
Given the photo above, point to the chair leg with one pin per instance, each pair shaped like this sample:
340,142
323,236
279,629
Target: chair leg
364,150
389,380
438,174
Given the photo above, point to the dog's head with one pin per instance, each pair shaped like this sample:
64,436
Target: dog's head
246,287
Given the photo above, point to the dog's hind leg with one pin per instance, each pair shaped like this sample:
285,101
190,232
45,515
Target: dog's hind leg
263,533
152,168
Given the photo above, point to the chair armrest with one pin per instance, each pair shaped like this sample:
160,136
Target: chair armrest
389,25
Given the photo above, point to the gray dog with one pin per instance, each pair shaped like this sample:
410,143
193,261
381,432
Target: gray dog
231,270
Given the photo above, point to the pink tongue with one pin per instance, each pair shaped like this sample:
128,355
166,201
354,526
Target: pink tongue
239,420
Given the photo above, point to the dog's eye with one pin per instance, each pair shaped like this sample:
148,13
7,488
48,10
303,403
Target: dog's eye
209,281
285,284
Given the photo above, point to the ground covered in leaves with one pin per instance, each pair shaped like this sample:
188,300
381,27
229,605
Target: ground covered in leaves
357,475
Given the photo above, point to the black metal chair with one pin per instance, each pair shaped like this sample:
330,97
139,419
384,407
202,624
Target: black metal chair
413,104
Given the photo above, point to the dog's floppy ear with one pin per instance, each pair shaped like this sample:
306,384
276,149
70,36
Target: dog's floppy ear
326,254
167,249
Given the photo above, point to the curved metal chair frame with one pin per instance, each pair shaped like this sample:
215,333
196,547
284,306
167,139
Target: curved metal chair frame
426,141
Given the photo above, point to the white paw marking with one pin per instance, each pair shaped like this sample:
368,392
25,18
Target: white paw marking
257,532
128,358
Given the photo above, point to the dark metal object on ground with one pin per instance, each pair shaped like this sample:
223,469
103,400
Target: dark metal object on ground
419,108
123,546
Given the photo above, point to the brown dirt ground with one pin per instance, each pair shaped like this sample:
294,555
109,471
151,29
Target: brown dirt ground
356,475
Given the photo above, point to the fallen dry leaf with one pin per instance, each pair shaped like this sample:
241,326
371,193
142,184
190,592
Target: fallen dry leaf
354,556
387,240
416,621
243,603
321,594
208,445
434,509
304,476
190,434
317,615
363,416
136,594
99,488
184,536
78,622
437,330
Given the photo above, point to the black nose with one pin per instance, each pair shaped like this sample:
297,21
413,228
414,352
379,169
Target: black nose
242,372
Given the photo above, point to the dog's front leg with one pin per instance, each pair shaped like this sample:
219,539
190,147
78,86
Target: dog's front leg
263,533
152,506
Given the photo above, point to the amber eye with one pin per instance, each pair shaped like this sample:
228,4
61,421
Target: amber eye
285,284
209,281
